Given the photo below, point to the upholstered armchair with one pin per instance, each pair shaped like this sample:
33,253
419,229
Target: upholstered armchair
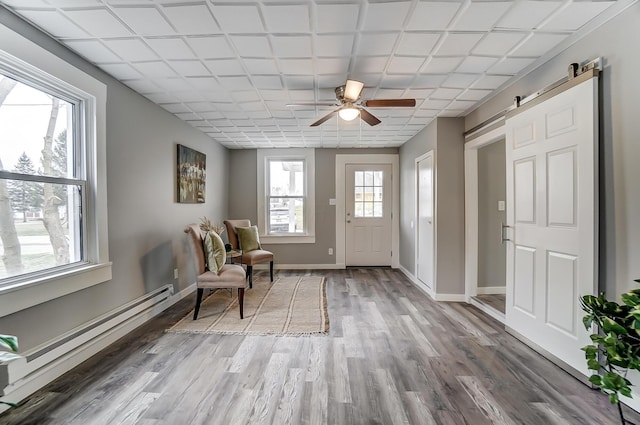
227,276
251,255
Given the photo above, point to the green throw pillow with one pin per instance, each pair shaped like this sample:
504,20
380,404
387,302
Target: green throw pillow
214,251
248,238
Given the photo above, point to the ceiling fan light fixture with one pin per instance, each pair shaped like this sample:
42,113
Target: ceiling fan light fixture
349,113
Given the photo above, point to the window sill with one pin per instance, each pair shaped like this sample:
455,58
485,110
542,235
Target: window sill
22,295
289,239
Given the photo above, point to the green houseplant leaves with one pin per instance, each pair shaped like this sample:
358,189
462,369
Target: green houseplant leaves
615,349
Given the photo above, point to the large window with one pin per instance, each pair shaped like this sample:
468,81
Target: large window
286,195
41,186
53,200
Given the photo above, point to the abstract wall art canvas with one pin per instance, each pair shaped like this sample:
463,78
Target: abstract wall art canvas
192,175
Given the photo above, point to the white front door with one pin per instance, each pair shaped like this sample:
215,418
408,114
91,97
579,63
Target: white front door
552,210
367,218
425,221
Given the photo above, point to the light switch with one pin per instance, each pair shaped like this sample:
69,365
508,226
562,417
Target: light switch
501,206
332,201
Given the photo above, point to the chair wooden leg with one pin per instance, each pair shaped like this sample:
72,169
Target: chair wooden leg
241,301
250,275
271,269
198,300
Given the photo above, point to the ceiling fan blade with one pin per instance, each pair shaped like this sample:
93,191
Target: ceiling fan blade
352,90
323,119
368,118
310,104
387,103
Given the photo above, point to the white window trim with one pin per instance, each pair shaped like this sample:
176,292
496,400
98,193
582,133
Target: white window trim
26,57
308,155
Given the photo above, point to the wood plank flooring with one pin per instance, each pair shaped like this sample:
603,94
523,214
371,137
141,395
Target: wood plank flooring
495,301
393,356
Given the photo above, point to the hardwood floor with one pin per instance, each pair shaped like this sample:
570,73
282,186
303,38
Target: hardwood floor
393,356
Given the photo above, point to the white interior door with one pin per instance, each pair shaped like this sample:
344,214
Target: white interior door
425,221
368,199
552,210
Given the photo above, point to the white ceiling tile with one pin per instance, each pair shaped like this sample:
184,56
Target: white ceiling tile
419,93
576,15
246,96
176,85
527,14
286,18
386,16
435,104
461,105
204,83
332,66
460,80
98,22
187,116
474,94
144,20
296,66
328,83
191,19
142,86
298,82
54,23
405,65
261,66
27,3
236,83
239,18
336,17
213,47
292,46
417,44
376,44
93,50
490,82
121,71
163,97
170,48
189,68
211,115
252,46
370,65
131,49
175,108
428,81
539,44
200,107
443,93
442,65
429,16
73,3
334,45
267,82
225,67
477,64
498,44
481,15
396,81
510,66
456,44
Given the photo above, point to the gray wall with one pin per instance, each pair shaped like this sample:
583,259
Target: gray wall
444,136
145,223
243,202
617,43
492,179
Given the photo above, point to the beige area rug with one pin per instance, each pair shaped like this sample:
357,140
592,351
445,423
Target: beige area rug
292,305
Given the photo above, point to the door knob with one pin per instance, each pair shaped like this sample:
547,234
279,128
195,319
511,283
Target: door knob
348,221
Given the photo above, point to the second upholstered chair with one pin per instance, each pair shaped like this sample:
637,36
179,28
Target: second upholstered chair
226,275
252,252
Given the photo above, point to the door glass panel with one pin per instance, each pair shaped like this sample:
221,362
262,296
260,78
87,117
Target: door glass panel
368,194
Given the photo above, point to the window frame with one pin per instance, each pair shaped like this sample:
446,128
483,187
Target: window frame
264,157
30,64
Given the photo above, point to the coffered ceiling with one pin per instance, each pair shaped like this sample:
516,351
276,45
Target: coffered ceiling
229,68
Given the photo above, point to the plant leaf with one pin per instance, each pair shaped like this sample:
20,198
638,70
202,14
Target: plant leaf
9,343
596,380
610,325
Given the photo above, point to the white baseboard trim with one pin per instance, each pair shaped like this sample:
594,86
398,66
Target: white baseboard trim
277,266
487,290
452,298
416,282
41,365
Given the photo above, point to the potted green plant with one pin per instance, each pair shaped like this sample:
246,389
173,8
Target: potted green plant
616,347
8,343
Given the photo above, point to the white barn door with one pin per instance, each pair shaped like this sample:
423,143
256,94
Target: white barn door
552,213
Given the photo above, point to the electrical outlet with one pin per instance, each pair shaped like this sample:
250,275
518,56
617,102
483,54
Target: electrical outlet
175,273
330,251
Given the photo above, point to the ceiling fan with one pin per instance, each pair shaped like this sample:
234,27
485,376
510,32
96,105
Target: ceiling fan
349,108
